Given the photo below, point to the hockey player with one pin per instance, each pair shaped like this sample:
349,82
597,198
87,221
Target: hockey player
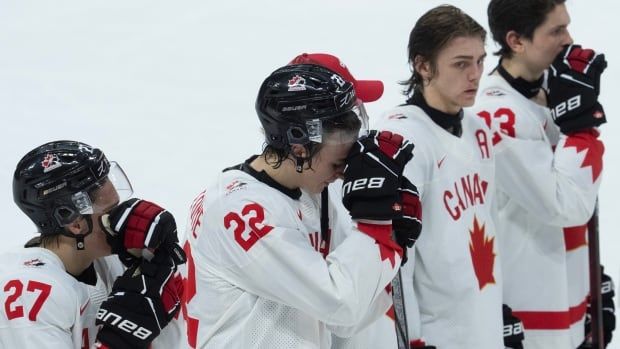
382,333
453,287
54,291
261,271
552,149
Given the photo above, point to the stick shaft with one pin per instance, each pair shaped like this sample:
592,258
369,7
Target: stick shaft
400,318
596,302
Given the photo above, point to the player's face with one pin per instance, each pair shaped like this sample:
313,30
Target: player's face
105,199
327,165
548,39
455,82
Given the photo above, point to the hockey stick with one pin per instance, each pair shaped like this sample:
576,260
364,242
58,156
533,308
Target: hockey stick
596,302
400,319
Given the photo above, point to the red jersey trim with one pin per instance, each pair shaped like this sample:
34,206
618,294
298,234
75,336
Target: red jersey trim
552,320
575,237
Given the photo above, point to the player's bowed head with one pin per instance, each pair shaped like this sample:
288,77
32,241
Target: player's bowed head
311,117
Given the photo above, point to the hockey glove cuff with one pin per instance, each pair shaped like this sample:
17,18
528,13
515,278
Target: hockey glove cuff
142,302
408,223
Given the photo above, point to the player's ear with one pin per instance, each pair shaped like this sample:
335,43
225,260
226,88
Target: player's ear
515,41
422,67
78,226
298,150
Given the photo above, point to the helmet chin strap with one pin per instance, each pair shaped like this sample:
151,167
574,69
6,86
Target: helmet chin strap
299,164
300,160
79,238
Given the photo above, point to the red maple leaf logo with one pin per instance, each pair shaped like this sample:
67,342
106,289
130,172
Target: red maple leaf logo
482,255
594,151
293,80
49,158
387,253
383,238
598,114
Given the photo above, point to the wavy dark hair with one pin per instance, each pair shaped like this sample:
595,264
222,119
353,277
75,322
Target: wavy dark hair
520,16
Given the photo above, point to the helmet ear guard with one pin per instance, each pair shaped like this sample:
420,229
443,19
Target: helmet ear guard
81,204
297,135
65,215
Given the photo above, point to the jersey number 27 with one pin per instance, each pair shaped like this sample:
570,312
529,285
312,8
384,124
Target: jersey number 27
15,288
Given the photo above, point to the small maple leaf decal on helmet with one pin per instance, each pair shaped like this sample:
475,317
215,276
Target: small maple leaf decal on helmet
482,255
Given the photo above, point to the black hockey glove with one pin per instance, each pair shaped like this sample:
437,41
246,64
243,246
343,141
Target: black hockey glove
609,310
142,302
574,85
372,175
513,329
408,224
137,225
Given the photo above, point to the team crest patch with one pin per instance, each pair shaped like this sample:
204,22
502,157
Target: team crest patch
50,162
34,263
234,186
397,116
494,93
297,83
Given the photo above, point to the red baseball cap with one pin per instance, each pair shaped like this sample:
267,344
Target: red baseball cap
366,90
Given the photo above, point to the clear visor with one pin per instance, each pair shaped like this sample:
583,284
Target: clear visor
119,180
363,116
343,134
116,188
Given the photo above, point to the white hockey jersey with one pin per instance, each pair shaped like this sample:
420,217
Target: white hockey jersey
44,306
542,192
379,331
259,275
452,281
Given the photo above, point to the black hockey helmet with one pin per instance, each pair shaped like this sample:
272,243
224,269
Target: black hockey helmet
295,100
52,183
